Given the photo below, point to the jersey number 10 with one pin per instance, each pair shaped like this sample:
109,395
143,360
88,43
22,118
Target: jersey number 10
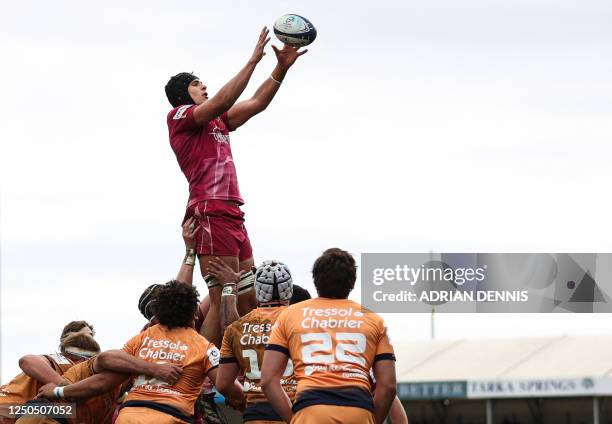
255,373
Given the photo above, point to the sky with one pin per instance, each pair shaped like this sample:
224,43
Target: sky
473,126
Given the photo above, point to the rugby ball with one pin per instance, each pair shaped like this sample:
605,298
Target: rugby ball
295,30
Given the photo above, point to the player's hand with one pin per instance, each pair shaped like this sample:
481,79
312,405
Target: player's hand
258,53
222,271
237,404
169,373
189,233
46,391
287,55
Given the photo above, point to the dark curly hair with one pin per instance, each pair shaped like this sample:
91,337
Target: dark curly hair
334,273
175,304
299,294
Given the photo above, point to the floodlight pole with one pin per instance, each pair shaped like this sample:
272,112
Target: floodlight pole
433,323
489,411
433,309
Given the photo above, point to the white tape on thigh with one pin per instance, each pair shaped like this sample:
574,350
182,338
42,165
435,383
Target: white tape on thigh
246,282
211,281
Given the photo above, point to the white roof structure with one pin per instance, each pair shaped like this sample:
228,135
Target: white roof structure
490,359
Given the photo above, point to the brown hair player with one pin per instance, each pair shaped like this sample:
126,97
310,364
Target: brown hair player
77,344
333,343
199,129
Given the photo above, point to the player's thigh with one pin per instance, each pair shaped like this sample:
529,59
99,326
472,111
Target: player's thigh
231,261
204,306
246,265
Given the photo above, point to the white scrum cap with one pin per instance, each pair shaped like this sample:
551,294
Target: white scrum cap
273,282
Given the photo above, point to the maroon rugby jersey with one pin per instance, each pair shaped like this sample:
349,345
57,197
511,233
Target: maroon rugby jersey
204,155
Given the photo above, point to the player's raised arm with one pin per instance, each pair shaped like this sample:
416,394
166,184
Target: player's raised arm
243,111
185,274
228,279
207,110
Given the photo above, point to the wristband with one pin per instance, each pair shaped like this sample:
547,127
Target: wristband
58,392
190,257
229,289
275,80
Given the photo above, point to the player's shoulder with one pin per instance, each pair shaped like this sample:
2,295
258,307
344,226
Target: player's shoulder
342,307
247,318
178,113
81,370
368,314
152,329
58,358
297,309
194,336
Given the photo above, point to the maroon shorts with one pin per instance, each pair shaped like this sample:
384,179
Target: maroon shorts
222,230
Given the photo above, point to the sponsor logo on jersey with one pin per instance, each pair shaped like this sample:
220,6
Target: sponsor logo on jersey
60,359
181,112
255,334
217,133
213,356
162,349
331,318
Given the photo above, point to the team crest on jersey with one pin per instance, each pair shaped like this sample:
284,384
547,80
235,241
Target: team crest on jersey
60,359
213,356
181,112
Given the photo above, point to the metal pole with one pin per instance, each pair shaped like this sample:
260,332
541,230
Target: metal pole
489,411
433,308
595,410
433,323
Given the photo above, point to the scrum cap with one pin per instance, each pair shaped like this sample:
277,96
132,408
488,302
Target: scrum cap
273,282
176,89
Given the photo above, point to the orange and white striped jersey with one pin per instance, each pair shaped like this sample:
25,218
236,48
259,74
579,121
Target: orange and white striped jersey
244,343
181,346
333,344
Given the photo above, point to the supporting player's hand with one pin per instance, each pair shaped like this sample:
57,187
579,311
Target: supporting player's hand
46,391
189,233
258,53
287,55
170,373
237,404
222,271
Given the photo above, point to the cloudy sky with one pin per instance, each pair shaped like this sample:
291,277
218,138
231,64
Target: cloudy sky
473,126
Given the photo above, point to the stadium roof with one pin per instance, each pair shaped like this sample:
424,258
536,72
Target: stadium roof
504,359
